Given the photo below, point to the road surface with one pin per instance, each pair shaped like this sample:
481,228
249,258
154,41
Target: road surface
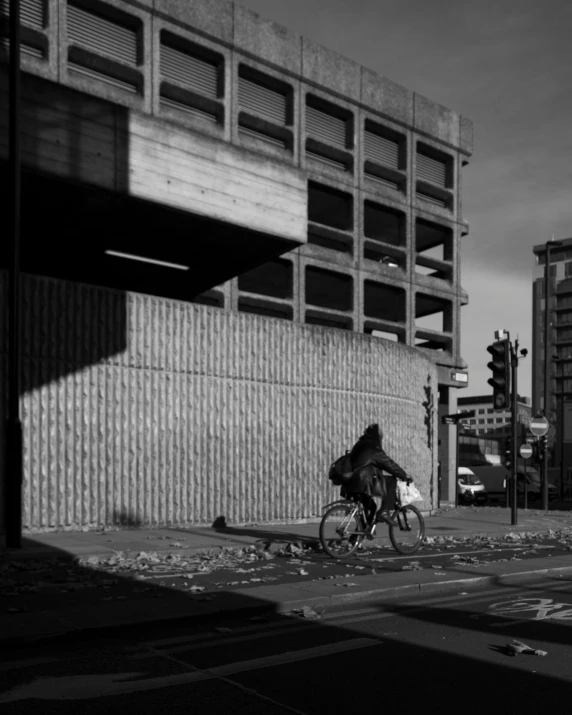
446,654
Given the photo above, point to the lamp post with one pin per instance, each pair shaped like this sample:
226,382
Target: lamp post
548,247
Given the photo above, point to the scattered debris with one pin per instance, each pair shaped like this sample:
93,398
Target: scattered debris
310,612
518,647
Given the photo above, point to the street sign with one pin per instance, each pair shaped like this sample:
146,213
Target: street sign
454,419
526,451
538,426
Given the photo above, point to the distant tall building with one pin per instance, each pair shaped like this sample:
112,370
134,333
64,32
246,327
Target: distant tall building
560,336
488,422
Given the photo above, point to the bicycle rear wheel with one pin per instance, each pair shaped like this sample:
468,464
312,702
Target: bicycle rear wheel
340,530
408,536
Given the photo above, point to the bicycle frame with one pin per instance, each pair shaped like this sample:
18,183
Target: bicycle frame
340,501
398,512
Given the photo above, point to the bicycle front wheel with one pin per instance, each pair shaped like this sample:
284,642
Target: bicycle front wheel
340,530
408,536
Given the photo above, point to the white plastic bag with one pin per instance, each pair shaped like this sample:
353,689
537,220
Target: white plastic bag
408,493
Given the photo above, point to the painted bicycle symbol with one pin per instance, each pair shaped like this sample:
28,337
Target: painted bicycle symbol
544,609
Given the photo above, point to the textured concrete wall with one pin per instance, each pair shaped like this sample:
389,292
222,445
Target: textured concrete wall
141,410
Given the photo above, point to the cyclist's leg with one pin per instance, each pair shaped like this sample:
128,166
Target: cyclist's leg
369,505
390,494
388,503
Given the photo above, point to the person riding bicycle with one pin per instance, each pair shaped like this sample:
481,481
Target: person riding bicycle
375,490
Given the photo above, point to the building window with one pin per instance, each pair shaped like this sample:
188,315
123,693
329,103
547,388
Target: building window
260,306
191,78
274,278
481,422
265,107
384,224
384,302
434,177
105,44
330,213
210,297
384,155
383,227
434,249
433,323
329,289
33,22
329,130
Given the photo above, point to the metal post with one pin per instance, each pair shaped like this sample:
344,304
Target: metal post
13,427
525,487
514,410
457,428
561,430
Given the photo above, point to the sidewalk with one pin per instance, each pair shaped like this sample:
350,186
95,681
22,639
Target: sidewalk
79,548
458,522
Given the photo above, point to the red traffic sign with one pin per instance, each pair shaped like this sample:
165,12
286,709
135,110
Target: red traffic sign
538,426
526,451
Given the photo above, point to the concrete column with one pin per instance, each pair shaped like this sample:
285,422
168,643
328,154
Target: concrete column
447,444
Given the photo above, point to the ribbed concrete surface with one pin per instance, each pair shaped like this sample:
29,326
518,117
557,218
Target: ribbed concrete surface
143,410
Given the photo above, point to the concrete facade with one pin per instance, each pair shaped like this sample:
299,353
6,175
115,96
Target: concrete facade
145,411
287,180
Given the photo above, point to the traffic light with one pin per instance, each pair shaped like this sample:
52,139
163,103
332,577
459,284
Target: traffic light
500,381
542,442
508,452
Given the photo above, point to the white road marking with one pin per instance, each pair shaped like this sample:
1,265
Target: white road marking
295,656
84,687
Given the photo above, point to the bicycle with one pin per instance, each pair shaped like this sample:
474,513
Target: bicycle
343,528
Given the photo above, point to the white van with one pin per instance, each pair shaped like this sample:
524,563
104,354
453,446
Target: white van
470,489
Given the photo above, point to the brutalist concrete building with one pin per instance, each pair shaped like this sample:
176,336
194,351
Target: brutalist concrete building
238,248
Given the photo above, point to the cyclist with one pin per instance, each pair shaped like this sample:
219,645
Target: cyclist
375,490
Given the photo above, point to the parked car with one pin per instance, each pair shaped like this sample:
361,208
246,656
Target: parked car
470,489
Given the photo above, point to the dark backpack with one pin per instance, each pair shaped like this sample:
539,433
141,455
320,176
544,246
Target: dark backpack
341,470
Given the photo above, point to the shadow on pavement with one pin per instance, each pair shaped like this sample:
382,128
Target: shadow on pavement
443,672
264,535
52,593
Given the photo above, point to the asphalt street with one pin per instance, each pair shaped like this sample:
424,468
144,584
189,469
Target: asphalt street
446,653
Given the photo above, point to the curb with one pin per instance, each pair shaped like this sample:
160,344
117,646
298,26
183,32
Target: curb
117,630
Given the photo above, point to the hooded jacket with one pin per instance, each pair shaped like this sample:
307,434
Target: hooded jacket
369,461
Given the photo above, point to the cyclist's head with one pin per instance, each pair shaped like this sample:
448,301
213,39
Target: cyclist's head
374,432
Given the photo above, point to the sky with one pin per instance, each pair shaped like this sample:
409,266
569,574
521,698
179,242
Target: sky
507,66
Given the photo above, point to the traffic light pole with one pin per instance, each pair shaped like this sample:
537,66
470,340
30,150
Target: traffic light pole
514,411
